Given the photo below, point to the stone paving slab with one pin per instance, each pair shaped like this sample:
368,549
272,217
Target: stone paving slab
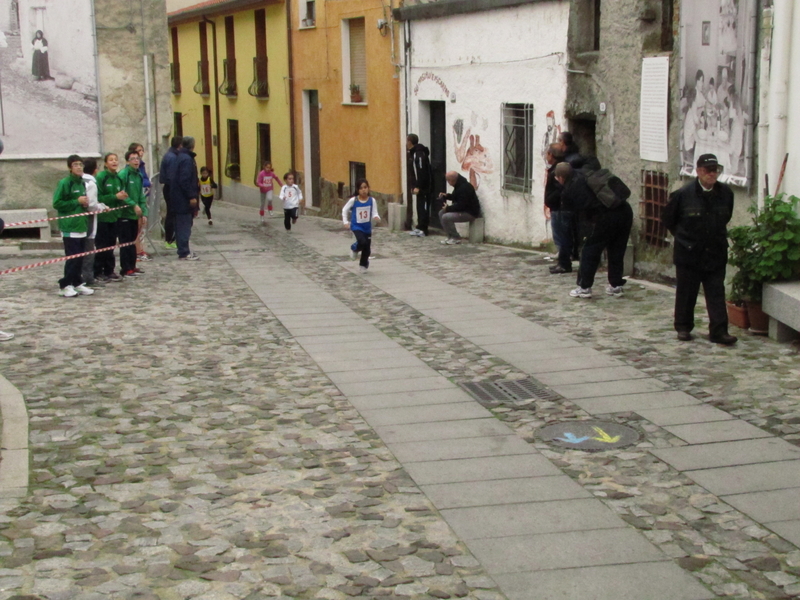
564,550
717,431
386,361
387,374
425,414
441,430
663,581
485,468
408,399
504,491
419,383
766,507
789,530
499,445
741,479
682,415
334,347
563,359
590,375
617,388
503,520
636,402
727,454
326,338
559,345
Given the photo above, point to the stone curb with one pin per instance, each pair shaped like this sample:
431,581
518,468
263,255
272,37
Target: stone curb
14,455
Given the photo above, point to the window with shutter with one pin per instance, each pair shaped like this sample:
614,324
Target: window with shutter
358,57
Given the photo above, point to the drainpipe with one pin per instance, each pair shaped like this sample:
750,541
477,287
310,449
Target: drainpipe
97,82
291,83
779,87
409,220
216,105
763,104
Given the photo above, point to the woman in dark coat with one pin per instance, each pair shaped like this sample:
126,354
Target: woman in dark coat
41,63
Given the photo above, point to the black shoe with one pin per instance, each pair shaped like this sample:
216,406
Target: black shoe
685,336
556,269
725,340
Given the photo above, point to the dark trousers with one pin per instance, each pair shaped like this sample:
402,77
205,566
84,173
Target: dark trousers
104,262
688,284
183,232
289,217
128,230
207,205
561,222
363,244
169,219
423,211
610,232
72,267
87,268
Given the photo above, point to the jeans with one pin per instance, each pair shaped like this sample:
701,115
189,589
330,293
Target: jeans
423,211
362,244
609,232
449,220
169,220
104,262
289,217
128,230
561,222
72,267
183,231
688,284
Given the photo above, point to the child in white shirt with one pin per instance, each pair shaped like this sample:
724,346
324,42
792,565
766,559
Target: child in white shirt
291,196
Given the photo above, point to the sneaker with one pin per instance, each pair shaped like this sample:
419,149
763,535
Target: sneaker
67,292
130,273
263,220
270,214
138,271
452,241
614,290
362,269
725,339
685,336
415,232
144,256
353,254
4,337
210,222
83,290
115,278
558,269
580,292
192,256
170,245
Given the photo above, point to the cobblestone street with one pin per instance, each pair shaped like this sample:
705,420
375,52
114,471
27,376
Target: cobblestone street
192,438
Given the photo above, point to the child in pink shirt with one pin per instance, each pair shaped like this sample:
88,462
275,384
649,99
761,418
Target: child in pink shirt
265,185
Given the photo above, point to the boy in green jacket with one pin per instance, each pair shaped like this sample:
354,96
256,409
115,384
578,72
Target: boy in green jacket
70,199
128,222
110,193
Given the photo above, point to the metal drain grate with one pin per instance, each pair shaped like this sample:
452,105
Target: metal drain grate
510,390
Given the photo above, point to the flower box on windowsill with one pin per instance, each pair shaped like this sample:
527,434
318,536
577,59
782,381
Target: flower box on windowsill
307,23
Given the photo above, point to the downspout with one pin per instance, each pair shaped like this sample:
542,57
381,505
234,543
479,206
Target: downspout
779,88
409,220
216,104
146,73
763,104
291,82
97,80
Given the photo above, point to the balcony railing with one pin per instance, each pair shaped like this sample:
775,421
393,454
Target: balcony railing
202,86
228,86
260,87
175,77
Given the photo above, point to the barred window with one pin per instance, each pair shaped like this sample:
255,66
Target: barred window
517,147
655,194
232,167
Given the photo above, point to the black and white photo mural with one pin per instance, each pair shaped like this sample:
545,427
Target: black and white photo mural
717,75
48,79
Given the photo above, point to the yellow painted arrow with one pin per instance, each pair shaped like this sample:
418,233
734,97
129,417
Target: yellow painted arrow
604,437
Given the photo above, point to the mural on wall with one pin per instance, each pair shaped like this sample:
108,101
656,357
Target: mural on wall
48,79
717,83
552,132
471,155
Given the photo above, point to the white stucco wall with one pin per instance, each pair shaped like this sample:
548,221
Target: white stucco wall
481,61
792,177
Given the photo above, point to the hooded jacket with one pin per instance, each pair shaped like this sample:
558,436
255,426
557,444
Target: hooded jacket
464,198
183,182
419,168
65,201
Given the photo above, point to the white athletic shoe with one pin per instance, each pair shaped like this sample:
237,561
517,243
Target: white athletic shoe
362,269
83,290
614,290
68,292
580,292
4,337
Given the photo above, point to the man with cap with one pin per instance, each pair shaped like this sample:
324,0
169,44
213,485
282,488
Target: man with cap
697,215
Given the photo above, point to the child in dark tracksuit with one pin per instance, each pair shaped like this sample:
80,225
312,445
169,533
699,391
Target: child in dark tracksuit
207,187
357,215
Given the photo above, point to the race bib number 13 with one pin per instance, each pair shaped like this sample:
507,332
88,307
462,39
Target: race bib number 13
362,215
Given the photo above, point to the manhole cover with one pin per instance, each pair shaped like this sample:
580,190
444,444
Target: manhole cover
589,435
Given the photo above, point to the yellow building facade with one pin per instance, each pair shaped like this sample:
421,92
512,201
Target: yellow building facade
231,89
345,76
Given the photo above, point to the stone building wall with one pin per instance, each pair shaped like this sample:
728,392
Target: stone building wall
123,36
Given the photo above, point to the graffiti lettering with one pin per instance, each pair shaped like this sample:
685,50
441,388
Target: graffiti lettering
426,76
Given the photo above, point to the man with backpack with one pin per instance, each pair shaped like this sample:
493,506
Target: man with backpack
601,199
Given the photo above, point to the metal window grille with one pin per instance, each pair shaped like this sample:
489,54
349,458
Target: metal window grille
358,170
228,86
655,193
517,147
232,167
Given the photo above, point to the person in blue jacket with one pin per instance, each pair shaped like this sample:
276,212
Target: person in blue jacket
184,191
357,215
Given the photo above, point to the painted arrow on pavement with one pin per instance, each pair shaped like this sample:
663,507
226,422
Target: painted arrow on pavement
571,438
604,437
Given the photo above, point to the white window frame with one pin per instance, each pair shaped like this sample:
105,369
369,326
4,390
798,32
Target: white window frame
307,22
516,123
346,72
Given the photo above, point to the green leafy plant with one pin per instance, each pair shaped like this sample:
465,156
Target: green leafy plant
766,250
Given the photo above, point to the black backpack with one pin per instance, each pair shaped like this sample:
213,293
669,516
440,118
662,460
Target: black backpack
610,190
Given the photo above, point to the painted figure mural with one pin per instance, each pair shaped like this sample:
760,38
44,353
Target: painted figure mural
472,156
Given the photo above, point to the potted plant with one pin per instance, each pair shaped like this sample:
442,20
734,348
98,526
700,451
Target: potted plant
355,93
766,250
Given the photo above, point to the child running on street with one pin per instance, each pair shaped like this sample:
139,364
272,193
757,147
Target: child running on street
265,184
207,187
357,215
291,196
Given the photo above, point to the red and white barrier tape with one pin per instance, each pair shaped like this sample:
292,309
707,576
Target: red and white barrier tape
97,212
63,258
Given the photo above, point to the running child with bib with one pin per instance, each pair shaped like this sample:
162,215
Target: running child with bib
357,215
291,196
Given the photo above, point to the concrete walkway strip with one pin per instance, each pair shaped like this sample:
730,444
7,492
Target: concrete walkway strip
14,453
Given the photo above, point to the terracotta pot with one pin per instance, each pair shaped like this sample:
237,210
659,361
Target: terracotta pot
759,320
737,315
356,97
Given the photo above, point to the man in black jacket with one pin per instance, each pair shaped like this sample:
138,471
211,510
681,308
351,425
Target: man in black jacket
462,206
419,182
561,214
166,166
697,215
